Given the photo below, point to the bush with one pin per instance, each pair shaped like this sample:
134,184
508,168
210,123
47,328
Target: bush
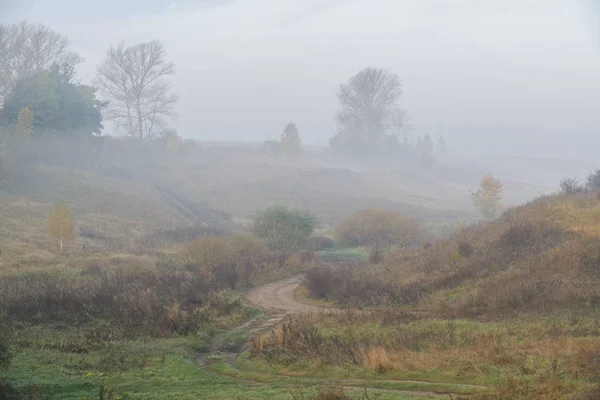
571,186
247,246
284,229
374,227
593,181
210,251
319,243
134,298
465,249
351,284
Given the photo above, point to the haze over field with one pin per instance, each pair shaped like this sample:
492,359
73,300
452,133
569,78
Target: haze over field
300,199
512,77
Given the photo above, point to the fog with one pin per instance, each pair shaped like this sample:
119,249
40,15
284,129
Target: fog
518,77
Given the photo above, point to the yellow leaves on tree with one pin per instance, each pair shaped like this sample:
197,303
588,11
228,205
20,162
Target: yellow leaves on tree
24,124
290,140
487,197
60,223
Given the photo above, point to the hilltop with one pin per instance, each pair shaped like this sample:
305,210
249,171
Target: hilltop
128,189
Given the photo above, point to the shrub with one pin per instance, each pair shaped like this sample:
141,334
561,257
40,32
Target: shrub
593,181
135,299
284,229
319,243
351,284
374,227
324,282
247,246
571,186
465,249
377,359
210,251
518,236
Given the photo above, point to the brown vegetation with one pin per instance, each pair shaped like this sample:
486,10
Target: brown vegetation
137,296
373,227
539,256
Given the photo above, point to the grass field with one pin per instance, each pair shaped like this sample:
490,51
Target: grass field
511,305
119,314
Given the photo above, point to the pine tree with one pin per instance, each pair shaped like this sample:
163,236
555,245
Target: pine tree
60,223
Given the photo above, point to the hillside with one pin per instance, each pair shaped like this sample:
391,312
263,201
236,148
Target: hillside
537,256
510,305
129,189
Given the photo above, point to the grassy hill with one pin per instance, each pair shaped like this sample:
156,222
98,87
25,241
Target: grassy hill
510,305
537,256
122,306
130,189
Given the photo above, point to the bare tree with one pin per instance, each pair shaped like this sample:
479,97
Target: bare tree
369,106
26,48
133,79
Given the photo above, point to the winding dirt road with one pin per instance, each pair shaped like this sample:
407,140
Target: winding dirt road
277,300
280,296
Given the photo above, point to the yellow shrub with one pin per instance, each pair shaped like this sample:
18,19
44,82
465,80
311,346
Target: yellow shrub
377,359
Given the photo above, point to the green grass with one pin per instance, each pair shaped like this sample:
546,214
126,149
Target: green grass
551,351
58,375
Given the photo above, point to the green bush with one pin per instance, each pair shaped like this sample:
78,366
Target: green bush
284,229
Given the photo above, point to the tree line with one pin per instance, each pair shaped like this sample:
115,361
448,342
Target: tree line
40,95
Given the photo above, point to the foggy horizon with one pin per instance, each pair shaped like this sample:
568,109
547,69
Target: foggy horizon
509,77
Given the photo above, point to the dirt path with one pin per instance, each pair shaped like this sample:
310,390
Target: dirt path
277,301
280,296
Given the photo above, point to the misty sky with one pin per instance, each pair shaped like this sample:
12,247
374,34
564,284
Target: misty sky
517,76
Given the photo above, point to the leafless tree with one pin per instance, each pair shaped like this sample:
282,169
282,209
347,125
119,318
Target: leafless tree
134,80
26,48
369,105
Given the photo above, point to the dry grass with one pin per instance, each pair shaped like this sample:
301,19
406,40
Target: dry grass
377,359
511,303
516,357
539,256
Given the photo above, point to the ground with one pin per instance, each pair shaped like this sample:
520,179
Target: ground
127,207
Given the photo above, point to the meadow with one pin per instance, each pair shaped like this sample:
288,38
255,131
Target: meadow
147,300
